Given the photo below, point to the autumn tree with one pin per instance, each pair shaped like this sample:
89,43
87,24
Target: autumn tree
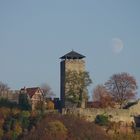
99,92
122,87
102,98
76,86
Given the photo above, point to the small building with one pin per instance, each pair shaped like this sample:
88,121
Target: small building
35,95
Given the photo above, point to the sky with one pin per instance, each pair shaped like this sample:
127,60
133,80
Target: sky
34,34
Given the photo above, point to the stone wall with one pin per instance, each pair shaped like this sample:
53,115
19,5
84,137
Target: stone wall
125,115
75,65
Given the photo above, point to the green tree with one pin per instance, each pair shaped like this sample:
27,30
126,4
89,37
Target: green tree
76,86
24,102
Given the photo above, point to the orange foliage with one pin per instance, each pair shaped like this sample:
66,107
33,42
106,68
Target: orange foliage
102,98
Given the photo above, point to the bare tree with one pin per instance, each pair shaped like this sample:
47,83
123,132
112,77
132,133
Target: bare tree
47,91
3,88
122,87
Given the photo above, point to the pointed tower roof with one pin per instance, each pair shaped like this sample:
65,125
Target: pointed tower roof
72,55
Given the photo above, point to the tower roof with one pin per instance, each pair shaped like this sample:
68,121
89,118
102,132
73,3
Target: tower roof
72,55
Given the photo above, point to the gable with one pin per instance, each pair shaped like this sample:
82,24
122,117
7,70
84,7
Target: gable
32,91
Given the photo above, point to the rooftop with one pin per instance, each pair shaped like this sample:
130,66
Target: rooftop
72,55
31,91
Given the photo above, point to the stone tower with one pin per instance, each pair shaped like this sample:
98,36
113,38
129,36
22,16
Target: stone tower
72,61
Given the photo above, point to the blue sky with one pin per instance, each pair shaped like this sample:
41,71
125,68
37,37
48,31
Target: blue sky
35,33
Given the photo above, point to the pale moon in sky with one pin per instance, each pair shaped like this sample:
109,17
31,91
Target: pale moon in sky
117,45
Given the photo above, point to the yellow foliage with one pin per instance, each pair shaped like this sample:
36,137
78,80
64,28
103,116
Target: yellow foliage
50,105
57,129
15,111
25,113
56,126
18,128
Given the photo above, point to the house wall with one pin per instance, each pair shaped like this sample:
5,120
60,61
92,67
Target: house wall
37,97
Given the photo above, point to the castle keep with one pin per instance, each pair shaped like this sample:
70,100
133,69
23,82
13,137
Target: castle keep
72,61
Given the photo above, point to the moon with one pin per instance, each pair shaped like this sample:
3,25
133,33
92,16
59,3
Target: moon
117,45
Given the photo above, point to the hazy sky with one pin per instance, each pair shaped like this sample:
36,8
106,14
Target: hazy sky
35,33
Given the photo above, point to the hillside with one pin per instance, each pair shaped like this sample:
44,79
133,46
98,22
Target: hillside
58,127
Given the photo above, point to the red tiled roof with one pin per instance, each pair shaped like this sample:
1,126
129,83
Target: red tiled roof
31,91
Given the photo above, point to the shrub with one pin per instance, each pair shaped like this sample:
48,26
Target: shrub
5,112
25,114
56,130
17,129
102,120
50,105
15,111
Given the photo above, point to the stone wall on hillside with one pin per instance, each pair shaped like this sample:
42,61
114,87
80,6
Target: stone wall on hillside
91,113
125,115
